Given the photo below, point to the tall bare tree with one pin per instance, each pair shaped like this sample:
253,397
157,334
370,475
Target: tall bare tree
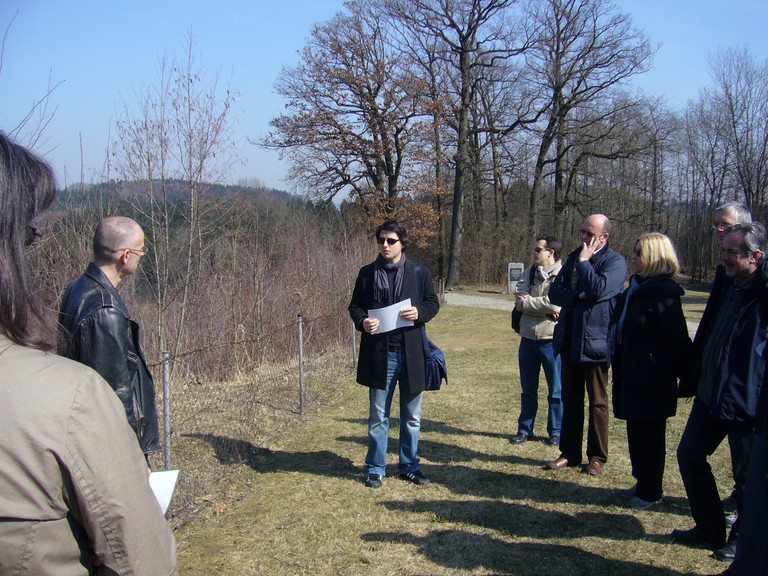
583,51
472,35
350,106
741,93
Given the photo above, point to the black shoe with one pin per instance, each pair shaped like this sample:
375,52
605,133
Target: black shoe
417,477
554,441
726,553
694,537
519,438
373,481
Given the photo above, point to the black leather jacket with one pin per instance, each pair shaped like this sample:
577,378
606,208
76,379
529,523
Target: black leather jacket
96,329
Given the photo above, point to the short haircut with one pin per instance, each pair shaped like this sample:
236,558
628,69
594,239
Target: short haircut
754,236
743,215
552,244
657,253
112,234
397,228
27,188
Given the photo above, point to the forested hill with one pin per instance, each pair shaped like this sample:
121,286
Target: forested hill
176,190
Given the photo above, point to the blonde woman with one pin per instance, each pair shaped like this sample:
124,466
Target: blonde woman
650,350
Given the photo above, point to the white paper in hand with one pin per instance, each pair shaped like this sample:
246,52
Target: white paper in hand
163,484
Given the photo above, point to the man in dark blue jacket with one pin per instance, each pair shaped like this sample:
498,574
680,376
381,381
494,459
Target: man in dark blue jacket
96,329
586,288
730,375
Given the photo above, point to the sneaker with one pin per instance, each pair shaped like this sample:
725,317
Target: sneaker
373,481
639,504
730,520
417,477
554,440
628,492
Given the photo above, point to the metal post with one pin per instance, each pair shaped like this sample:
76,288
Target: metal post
167,409
301,366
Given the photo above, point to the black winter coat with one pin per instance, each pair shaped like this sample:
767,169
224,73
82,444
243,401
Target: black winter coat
653,351
372,362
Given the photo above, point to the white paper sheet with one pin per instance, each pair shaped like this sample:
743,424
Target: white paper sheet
389,317
163,484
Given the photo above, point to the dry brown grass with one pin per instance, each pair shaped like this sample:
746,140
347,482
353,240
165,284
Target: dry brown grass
298,505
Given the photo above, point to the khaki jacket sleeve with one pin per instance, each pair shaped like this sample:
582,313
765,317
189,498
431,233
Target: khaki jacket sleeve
108,488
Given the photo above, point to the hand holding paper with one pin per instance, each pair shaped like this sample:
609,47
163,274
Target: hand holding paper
389,317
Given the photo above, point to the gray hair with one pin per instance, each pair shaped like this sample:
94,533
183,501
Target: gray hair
743,214
754,236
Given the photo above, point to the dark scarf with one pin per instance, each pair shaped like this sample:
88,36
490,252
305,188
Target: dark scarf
380,282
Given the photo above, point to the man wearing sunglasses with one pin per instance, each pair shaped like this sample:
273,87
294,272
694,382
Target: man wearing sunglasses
96,329
586,288
396,356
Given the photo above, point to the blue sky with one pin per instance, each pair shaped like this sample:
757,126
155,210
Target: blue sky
102,51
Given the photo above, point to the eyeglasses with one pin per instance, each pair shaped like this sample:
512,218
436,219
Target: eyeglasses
138,253
721,225
540,249
390,241
588,234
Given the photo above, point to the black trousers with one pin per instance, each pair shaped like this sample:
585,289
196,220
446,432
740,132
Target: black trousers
703,434
752,546
647,452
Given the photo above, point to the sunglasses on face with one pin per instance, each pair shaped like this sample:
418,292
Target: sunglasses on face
390,241
540,249
588,234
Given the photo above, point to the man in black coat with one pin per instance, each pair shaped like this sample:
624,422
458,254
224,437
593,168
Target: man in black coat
96,329
729,378
395,356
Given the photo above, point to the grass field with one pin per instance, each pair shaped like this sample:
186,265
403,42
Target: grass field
299,506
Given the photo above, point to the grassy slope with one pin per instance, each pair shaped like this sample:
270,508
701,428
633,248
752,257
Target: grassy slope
301,508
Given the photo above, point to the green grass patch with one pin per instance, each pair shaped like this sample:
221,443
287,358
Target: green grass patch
298,506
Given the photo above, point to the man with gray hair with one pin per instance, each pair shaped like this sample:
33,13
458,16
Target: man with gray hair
729,375
96,329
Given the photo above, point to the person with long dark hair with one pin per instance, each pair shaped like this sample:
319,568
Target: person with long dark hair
650,349
74,492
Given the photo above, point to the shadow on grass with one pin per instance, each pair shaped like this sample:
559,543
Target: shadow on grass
323,462
460,550
528,522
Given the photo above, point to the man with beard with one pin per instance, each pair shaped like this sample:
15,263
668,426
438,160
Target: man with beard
730,376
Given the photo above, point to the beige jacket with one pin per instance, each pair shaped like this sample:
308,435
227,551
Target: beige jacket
73,481
537,322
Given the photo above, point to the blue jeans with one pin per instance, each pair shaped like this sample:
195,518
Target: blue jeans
532,356
378,421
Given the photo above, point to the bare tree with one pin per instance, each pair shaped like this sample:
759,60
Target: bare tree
583,50
351,107
472,36
741,93
172,145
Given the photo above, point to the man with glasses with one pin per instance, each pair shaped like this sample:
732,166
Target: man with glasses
395,356
537,326
586,288
729,373
96,329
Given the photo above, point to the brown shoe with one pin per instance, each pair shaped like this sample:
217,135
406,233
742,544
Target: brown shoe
595,467
558,463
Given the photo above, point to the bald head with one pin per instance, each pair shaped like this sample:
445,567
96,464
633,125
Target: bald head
598,222
113,234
